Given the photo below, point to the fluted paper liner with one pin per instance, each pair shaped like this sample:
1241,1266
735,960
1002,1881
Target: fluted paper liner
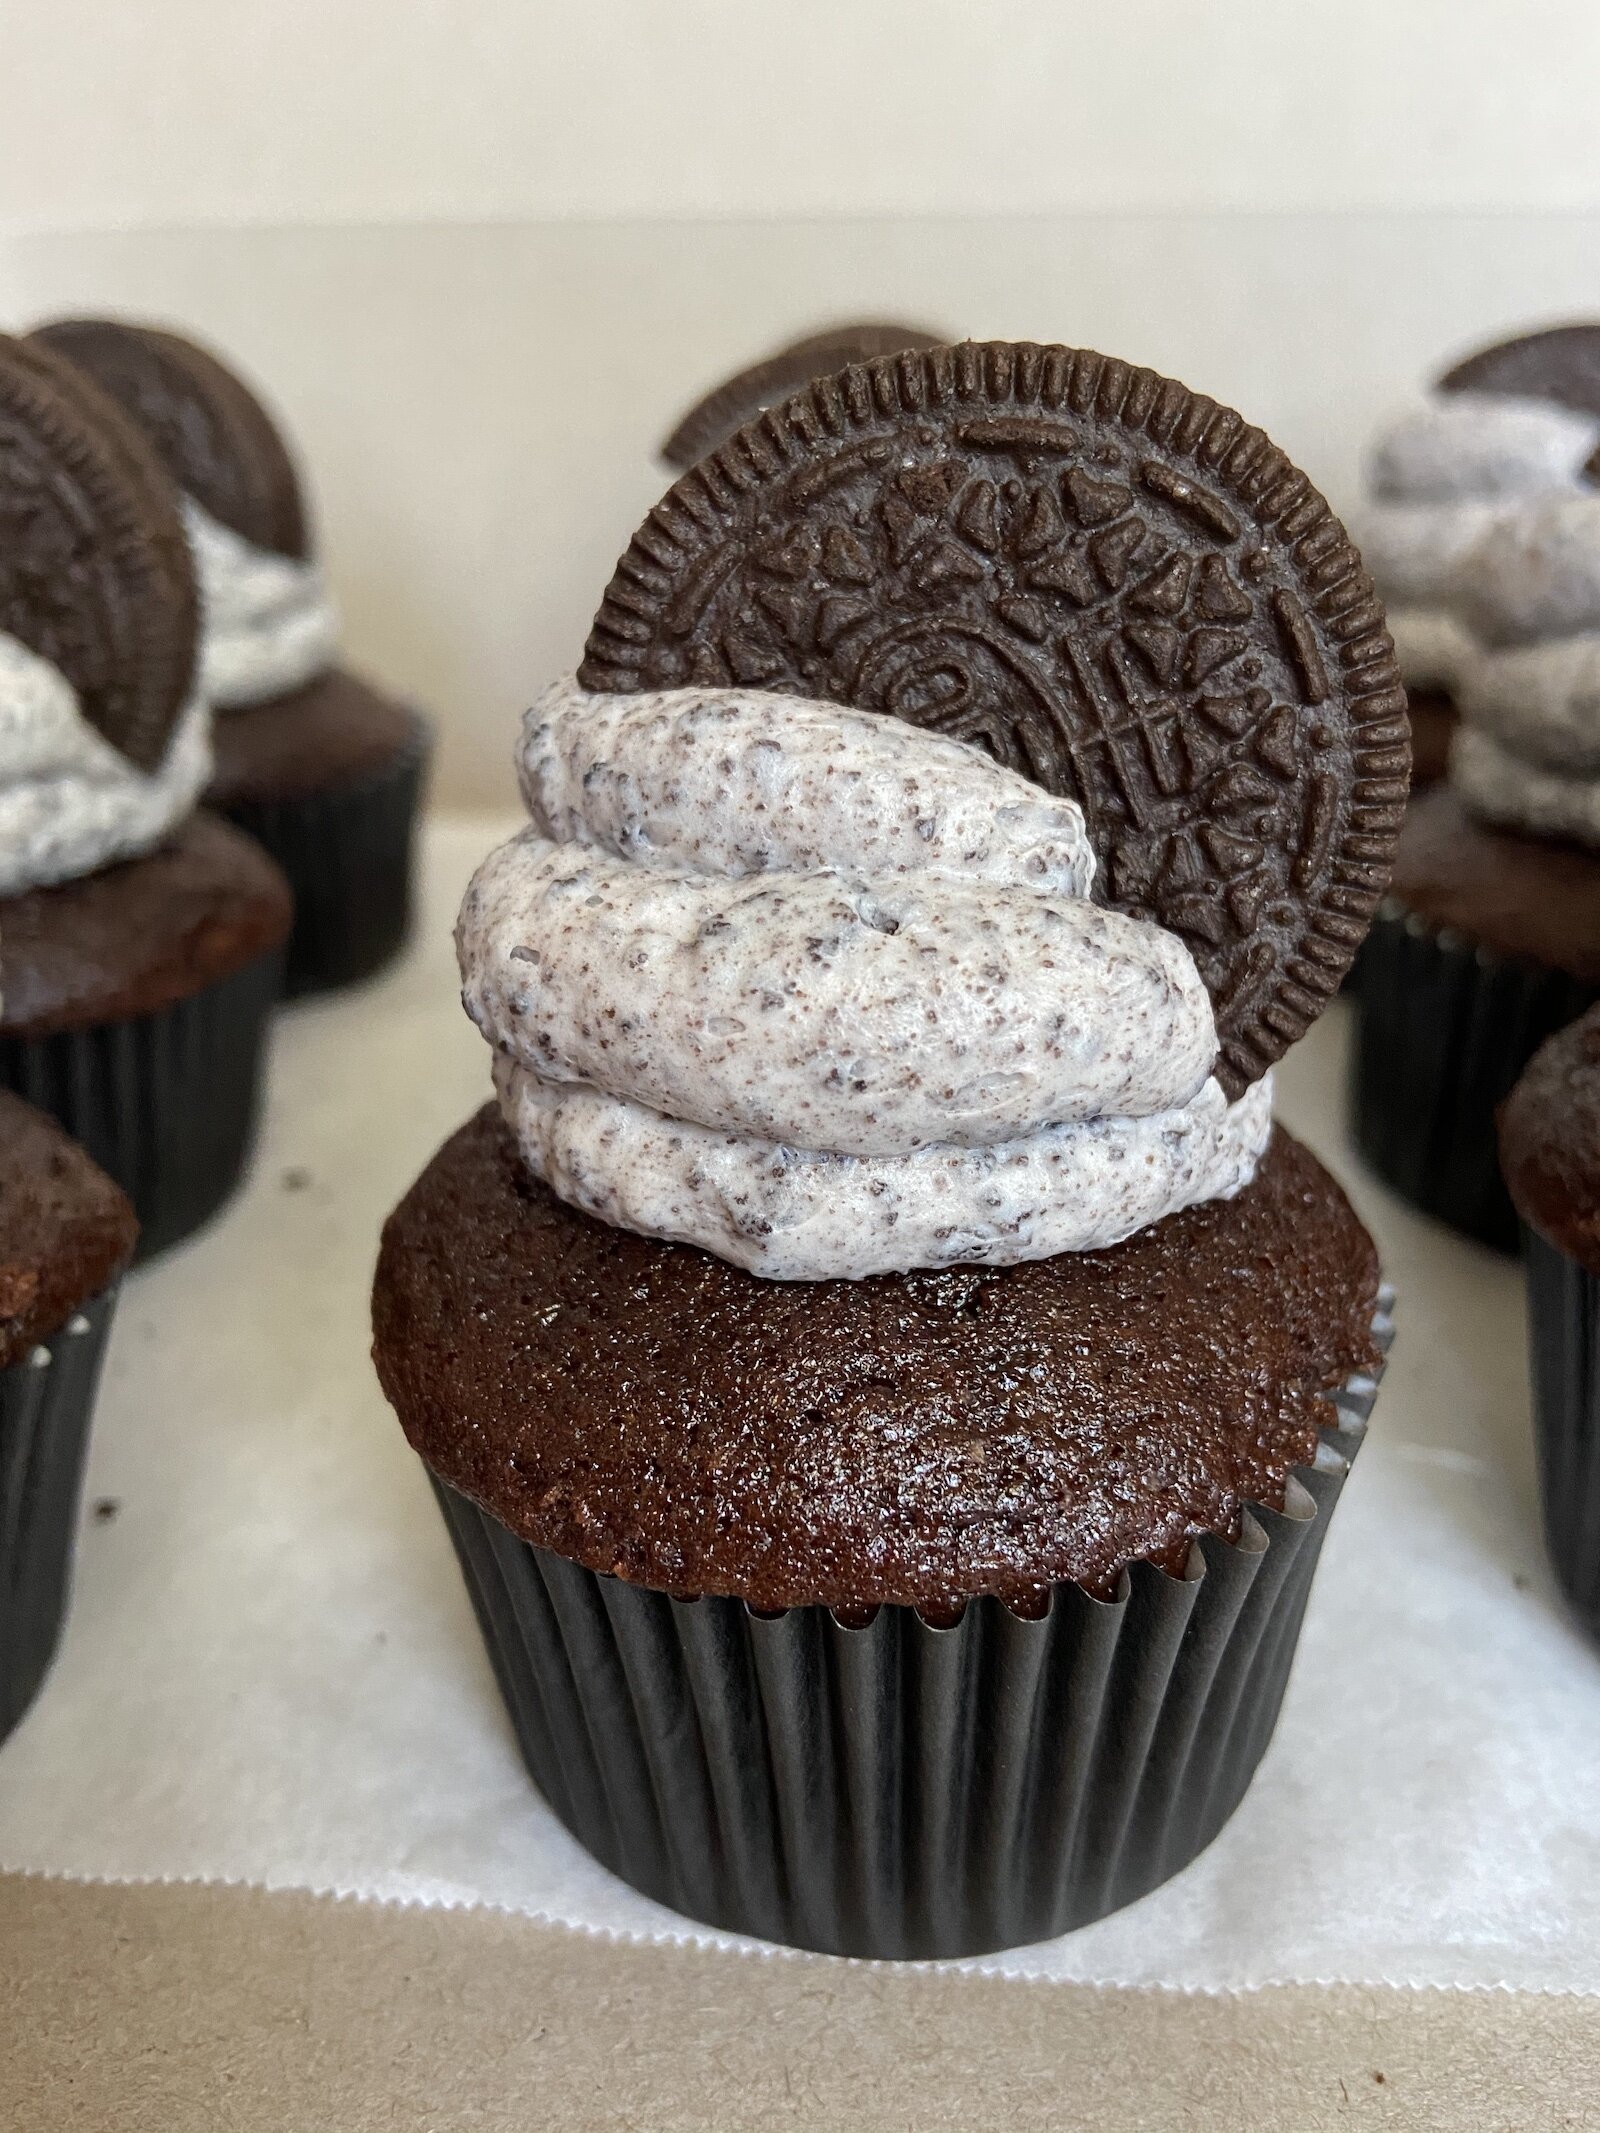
900,1789
1564,1361
348,853
166,1103
1445,1029
46,1402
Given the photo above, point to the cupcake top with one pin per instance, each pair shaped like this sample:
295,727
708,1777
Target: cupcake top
659,1415
269,621
830,993
1550,1141
104,732
65,1229
739,399
1483,530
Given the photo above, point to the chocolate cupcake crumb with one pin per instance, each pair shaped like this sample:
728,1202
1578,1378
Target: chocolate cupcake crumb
647,1410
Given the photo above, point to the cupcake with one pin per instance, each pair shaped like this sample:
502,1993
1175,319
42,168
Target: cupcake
749,392
885,1375
141,941
1485,535
318,766
66,1233
1550,1152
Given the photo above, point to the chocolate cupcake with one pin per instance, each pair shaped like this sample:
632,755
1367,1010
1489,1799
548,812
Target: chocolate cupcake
316,764
1485,535
1550,1151
66,1233
885,1375
750,392
140,942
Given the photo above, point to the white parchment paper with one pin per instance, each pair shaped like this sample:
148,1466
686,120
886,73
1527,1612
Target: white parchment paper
272,1674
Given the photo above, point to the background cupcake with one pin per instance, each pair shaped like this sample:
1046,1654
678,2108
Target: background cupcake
888,1504
749,392
1550,1149
140,942
321,768
66,1233
1485,530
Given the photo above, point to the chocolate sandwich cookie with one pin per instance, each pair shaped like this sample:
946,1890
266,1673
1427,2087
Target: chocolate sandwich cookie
739,399
141,943
66,1234
322,769
214,437
94,571
1109,582
884,1375
1561,363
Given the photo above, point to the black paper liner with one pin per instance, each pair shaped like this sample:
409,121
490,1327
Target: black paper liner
46,1402
1564,1363
348,853
1445,1028
166,1103
901,1790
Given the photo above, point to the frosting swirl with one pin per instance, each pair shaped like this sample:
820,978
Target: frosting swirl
70,802
270,623
1485,537
825,995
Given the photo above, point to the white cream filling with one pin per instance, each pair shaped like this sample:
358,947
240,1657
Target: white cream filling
269,621
70,802
826,996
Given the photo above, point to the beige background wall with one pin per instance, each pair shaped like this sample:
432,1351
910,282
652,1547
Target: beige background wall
481,255
162,111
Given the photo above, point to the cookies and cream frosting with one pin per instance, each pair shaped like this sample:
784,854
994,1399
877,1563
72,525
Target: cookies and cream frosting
269,621
70,802
1484,536
825,995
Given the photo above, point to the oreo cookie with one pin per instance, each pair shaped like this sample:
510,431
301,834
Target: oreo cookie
215,439
95,572
739,399
1114,585
1561,363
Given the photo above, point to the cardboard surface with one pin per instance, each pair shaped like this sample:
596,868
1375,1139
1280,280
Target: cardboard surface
226,2010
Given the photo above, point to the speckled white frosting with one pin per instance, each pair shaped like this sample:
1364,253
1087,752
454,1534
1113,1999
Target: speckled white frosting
69,801
825,995
1504,787
1484,536
1443,477
270,624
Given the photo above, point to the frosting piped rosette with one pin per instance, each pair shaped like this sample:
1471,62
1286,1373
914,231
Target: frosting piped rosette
1484,532
70,802
825,994
1451,479
270,622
